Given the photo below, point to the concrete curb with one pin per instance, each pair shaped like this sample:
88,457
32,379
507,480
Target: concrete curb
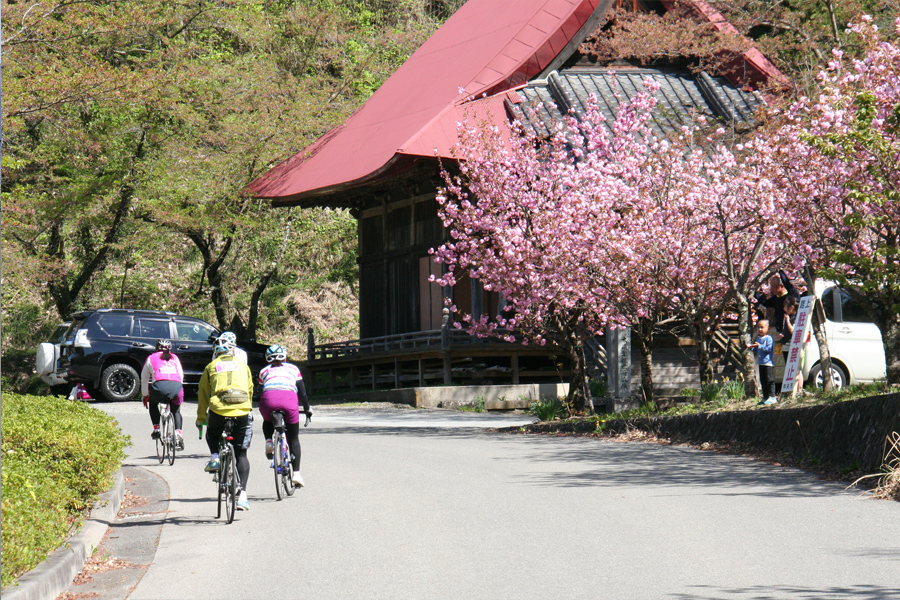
54,576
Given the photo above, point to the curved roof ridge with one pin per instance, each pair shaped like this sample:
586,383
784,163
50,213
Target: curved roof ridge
486,46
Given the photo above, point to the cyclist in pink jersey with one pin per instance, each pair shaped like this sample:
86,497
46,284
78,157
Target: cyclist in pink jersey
161,381
283,389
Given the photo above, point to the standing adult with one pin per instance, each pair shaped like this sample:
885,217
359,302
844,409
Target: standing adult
780,288
226,390
162,380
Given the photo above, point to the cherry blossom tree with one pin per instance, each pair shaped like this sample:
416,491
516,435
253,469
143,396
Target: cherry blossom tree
525,216
839,160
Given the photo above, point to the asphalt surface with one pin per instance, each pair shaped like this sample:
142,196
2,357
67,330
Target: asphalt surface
404,503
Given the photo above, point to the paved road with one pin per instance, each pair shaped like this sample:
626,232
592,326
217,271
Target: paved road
413,504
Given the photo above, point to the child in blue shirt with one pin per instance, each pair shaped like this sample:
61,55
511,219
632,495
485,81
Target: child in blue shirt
763,346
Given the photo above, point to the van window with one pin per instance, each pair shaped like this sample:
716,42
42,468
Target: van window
115,325
851,311
828,303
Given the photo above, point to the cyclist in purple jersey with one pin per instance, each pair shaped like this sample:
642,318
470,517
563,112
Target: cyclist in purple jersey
283,389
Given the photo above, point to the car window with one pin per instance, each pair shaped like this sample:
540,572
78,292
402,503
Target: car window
828,303
851,311
60,334
193,331
115,325
151,328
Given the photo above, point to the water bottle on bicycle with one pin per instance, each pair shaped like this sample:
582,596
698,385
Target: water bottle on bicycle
283,390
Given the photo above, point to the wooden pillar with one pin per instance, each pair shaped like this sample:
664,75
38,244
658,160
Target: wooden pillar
310,345
514,360
374,377
330,380
421,374
396,373
352,377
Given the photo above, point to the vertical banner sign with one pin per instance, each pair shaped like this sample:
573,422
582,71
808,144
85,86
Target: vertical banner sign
792,371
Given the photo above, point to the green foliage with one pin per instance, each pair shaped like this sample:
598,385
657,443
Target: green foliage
138,203
58,455
599,387
710,392
547,409
689,392
478,405
733,389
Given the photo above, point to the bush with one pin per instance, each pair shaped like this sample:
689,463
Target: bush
547,409
58,456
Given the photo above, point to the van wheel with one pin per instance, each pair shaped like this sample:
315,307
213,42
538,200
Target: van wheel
838,377
120,382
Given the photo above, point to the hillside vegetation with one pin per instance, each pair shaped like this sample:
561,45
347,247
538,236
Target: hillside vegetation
130,129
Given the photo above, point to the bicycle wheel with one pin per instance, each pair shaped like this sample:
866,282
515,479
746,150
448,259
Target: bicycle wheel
161,442
220,489
170,437
231,485
287,473
277,461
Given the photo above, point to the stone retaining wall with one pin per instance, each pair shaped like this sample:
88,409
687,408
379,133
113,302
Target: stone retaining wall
848,434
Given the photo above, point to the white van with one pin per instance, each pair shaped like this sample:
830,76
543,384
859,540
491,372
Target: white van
857,351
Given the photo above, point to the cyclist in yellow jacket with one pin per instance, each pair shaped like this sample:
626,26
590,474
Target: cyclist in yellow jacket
226,390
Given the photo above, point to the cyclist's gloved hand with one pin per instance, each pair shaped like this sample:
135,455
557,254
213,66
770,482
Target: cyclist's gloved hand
146,401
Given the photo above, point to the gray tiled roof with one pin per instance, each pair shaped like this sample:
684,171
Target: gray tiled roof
681,95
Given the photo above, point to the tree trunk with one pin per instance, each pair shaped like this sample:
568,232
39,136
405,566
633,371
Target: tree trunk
645,329
891,337
748,358
704,352
889,325
254,303
579,396
818,329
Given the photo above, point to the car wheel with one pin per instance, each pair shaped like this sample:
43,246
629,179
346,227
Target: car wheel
838,376
120,382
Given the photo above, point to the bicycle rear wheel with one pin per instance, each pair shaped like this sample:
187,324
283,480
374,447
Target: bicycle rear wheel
278,461
170,437
161,442
231,485
220,485
287,473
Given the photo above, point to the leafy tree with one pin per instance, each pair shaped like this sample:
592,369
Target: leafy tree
839,160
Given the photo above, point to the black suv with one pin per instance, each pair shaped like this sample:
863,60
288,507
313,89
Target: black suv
105,349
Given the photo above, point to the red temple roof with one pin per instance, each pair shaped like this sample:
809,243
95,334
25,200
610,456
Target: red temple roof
486,47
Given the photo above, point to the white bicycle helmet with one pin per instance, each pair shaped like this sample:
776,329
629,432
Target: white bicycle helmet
225,344
276,352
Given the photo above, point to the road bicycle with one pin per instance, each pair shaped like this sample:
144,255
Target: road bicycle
165,443
227,480
281,463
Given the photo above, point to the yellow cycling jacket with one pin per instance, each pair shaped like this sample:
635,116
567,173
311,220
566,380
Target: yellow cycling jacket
223,374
